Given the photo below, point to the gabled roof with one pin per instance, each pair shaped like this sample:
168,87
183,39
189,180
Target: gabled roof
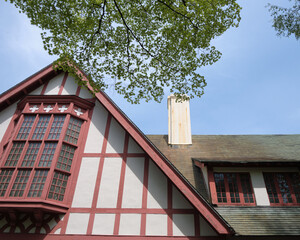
212,216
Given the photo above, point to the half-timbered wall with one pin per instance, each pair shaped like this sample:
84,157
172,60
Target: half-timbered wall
116,189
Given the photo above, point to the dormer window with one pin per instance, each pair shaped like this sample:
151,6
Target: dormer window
283,188
38,159
233,189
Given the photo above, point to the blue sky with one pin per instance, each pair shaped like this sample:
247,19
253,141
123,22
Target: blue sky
253,89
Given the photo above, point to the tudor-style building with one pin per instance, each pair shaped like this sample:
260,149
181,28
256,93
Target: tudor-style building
73,166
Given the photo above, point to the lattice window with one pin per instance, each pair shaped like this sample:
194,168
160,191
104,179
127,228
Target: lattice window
41,127
73,130
295,180
65,158
56,127
58,186
220,187
14,154
5,177
26,127
246,187
38,183
48,130
283,188
30,156
233,188
20,183
47,155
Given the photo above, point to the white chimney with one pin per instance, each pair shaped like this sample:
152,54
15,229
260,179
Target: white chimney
179,121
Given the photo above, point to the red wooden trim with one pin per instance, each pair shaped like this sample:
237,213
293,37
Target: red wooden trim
240,189
203,207
199,203
133,210
99,176
170,207
22,236
78,91
44,88
287,176
26,83
121,186
114,155
212,186
61,88
144,198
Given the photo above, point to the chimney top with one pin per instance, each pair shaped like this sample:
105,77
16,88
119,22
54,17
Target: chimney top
179,122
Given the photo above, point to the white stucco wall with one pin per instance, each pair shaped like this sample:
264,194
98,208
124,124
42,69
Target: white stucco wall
104,224
37,91
183,225
96,131
130,224
5,118
157,188
133,147
54,85
70,86
116,138
179,200
84,93
77,223
205,229
109,185
133,183
85,186
156,224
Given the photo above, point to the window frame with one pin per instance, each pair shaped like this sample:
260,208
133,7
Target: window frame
10,137
213,189
279,194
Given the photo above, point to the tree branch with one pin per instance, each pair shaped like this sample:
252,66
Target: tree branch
184,16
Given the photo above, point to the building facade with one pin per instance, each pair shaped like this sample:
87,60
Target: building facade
73,166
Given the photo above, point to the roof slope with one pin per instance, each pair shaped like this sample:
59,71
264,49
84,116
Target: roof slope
263,220
246,221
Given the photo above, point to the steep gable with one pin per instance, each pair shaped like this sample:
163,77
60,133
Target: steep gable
122,184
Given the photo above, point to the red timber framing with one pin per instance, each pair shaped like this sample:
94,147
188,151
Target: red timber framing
199,203
43,127
95,237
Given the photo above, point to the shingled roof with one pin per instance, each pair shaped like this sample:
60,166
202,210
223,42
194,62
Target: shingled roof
239,149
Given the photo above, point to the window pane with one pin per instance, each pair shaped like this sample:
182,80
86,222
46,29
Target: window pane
37,184
246,188
56,127
41,127
65,157
271,189
233,188
47,155
73,130
5,177
30,156
26,127
20,183
295,179
58,186
284,188
220,187
14,154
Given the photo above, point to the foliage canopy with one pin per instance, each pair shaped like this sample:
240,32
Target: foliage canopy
138,46
286,21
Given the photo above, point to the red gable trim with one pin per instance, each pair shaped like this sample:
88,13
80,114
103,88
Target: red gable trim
199,203
21,89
